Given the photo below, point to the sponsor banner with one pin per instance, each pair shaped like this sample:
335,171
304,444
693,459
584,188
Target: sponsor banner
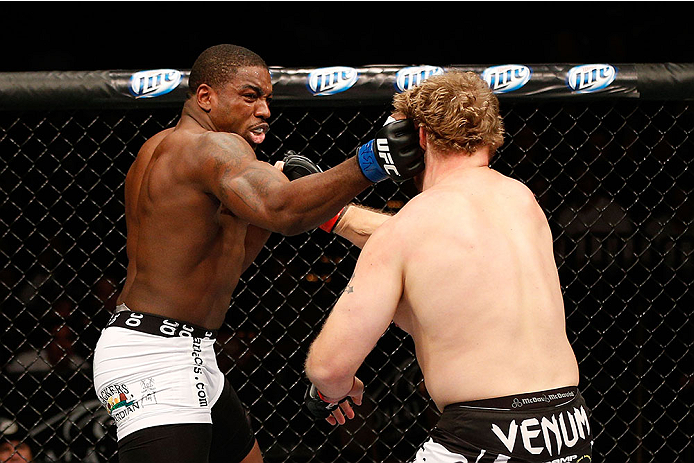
380,83
344,85
506,81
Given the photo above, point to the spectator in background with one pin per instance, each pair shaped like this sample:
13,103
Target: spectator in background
59,353
15,446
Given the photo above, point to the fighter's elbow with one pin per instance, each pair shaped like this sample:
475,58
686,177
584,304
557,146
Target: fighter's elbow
282,218
288,224
312,369
326,372
294,227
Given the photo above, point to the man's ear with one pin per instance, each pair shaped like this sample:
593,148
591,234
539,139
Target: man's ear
204,96
422,138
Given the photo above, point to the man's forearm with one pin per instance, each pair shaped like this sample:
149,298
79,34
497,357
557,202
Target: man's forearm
309,201
358,223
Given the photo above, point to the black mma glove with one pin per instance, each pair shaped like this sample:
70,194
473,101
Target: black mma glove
296,165
394,153
318,407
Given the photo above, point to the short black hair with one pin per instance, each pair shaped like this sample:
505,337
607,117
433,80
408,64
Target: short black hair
217,65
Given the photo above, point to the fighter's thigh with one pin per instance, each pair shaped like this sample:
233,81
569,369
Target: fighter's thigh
232,435
170,443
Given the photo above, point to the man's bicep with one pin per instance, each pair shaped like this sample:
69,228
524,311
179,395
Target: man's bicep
248,191
377,278
240,181
368,303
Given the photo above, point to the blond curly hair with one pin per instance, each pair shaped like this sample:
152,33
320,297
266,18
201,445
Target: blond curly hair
458,109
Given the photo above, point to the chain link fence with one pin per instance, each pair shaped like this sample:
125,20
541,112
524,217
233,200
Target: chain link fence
614,178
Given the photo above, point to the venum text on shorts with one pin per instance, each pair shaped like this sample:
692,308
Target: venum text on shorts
551,433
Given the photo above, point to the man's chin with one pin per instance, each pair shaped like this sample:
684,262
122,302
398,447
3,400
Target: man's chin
256,134
255,139
252,142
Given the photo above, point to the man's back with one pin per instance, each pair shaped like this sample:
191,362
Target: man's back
481,295
185,256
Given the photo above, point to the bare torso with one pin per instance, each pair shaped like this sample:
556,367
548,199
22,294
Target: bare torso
186,252
482,298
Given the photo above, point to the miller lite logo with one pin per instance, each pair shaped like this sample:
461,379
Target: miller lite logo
150,84
384,153
590,77
410,77
331,80
506,78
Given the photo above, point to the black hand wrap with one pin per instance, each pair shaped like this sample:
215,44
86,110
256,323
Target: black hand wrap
296,166
318,407
394,153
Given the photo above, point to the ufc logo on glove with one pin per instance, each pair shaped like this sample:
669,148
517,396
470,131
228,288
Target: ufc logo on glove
384,153
394,153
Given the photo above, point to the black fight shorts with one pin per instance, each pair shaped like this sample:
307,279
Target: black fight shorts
540,427
228,439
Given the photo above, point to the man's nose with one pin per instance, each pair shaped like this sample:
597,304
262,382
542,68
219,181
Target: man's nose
262,109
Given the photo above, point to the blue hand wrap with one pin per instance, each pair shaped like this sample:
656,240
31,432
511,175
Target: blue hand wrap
368,163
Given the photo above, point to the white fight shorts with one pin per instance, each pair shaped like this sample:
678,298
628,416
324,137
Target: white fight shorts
151,371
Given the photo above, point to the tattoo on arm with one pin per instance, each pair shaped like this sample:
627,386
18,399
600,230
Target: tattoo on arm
251,185
348,289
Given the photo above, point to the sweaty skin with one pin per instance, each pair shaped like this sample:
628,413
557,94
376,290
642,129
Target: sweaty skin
200,205
467,269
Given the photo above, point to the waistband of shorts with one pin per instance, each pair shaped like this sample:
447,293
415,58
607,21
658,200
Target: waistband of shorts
157,325
525,401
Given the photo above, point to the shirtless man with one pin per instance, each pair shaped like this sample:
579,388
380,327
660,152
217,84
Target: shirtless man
467,269
199,207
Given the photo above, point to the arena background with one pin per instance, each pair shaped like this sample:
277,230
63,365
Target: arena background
612,173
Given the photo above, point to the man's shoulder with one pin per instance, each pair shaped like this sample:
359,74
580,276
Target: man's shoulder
221,143
198,135
198,145
156,139
422,205
412,215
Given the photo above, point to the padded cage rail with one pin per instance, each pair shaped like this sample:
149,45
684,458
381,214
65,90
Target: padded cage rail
341,84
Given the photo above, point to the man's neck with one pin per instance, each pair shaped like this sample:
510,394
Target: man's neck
441,166
193,113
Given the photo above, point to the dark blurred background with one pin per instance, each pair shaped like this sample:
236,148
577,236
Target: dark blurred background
44,36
